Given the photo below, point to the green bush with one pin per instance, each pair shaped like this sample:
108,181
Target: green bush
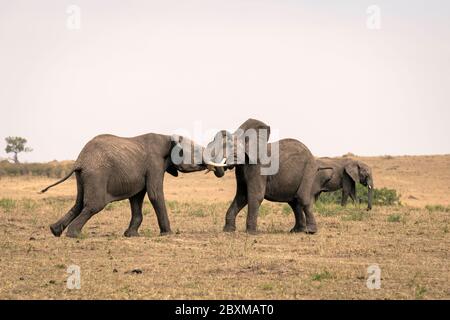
381,197
52,169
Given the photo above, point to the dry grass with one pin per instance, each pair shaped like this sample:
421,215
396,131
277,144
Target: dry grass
421,180
411,245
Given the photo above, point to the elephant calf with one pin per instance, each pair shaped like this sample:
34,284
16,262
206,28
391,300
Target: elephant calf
111,168
343,174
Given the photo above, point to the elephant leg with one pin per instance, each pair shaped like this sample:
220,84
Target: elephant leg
94,201
256,188
311,225
306,199
136,214
300,221
58,227
156,195
74,229
344,198
352,195
239,202
252,218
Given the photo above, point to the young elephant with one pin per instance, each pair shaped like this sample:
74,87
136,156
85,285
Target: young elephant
343,174
291,183
111,168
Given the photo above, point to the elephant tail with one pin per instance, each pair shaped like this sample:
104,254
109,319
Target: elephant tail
59,181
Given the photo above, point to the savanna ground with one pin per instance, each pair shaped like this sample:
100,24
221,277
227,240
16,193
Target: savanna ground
410,243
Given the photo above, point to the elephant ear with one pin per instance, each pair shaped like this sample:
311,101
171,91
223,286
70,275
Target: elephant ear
352,169
174,143
172,170
253,132
325,175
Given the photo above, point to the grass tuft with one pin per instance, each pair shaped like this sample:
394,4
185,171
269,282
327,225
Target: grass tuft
437,208
8,204
395,217
420,292
267,286
355,215
286,209
324,275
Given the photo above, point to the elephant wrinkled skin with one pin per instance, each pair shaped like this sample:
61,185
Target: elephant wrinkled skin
292,183
111,168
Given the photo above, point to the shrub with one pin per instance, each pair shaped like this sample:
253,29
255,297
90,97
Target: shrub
381,197
52,169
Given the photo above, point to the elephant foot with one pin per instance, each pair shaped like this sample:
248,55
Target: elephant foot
229,228
131,233
73,234
311,229
298,229
252,232
165,233
56,229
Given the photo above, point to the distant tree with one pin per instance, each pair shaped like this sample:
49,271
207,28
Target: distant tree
16,145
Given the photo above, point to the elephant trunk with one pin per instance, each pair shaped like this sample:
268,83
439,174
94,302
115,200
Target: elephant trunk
217,168
219,172
369,194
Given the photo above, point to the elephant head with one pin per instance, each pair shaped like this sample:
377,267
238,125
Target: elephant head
360,172
245,146
187,156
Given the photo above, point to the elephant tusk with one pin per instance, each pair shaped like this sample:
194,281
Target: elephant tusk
215,164
369,186
209,168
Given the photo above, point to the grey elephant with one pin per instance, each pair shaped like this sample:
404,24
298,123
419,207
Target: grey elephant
111,168
343,174
292,183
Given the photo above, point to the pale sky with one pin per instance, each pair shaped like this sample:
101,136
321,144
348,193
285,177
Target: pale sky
312,70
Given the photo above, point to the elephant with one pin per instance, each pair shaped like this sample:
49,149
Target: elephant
291,183
342,173
111,168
